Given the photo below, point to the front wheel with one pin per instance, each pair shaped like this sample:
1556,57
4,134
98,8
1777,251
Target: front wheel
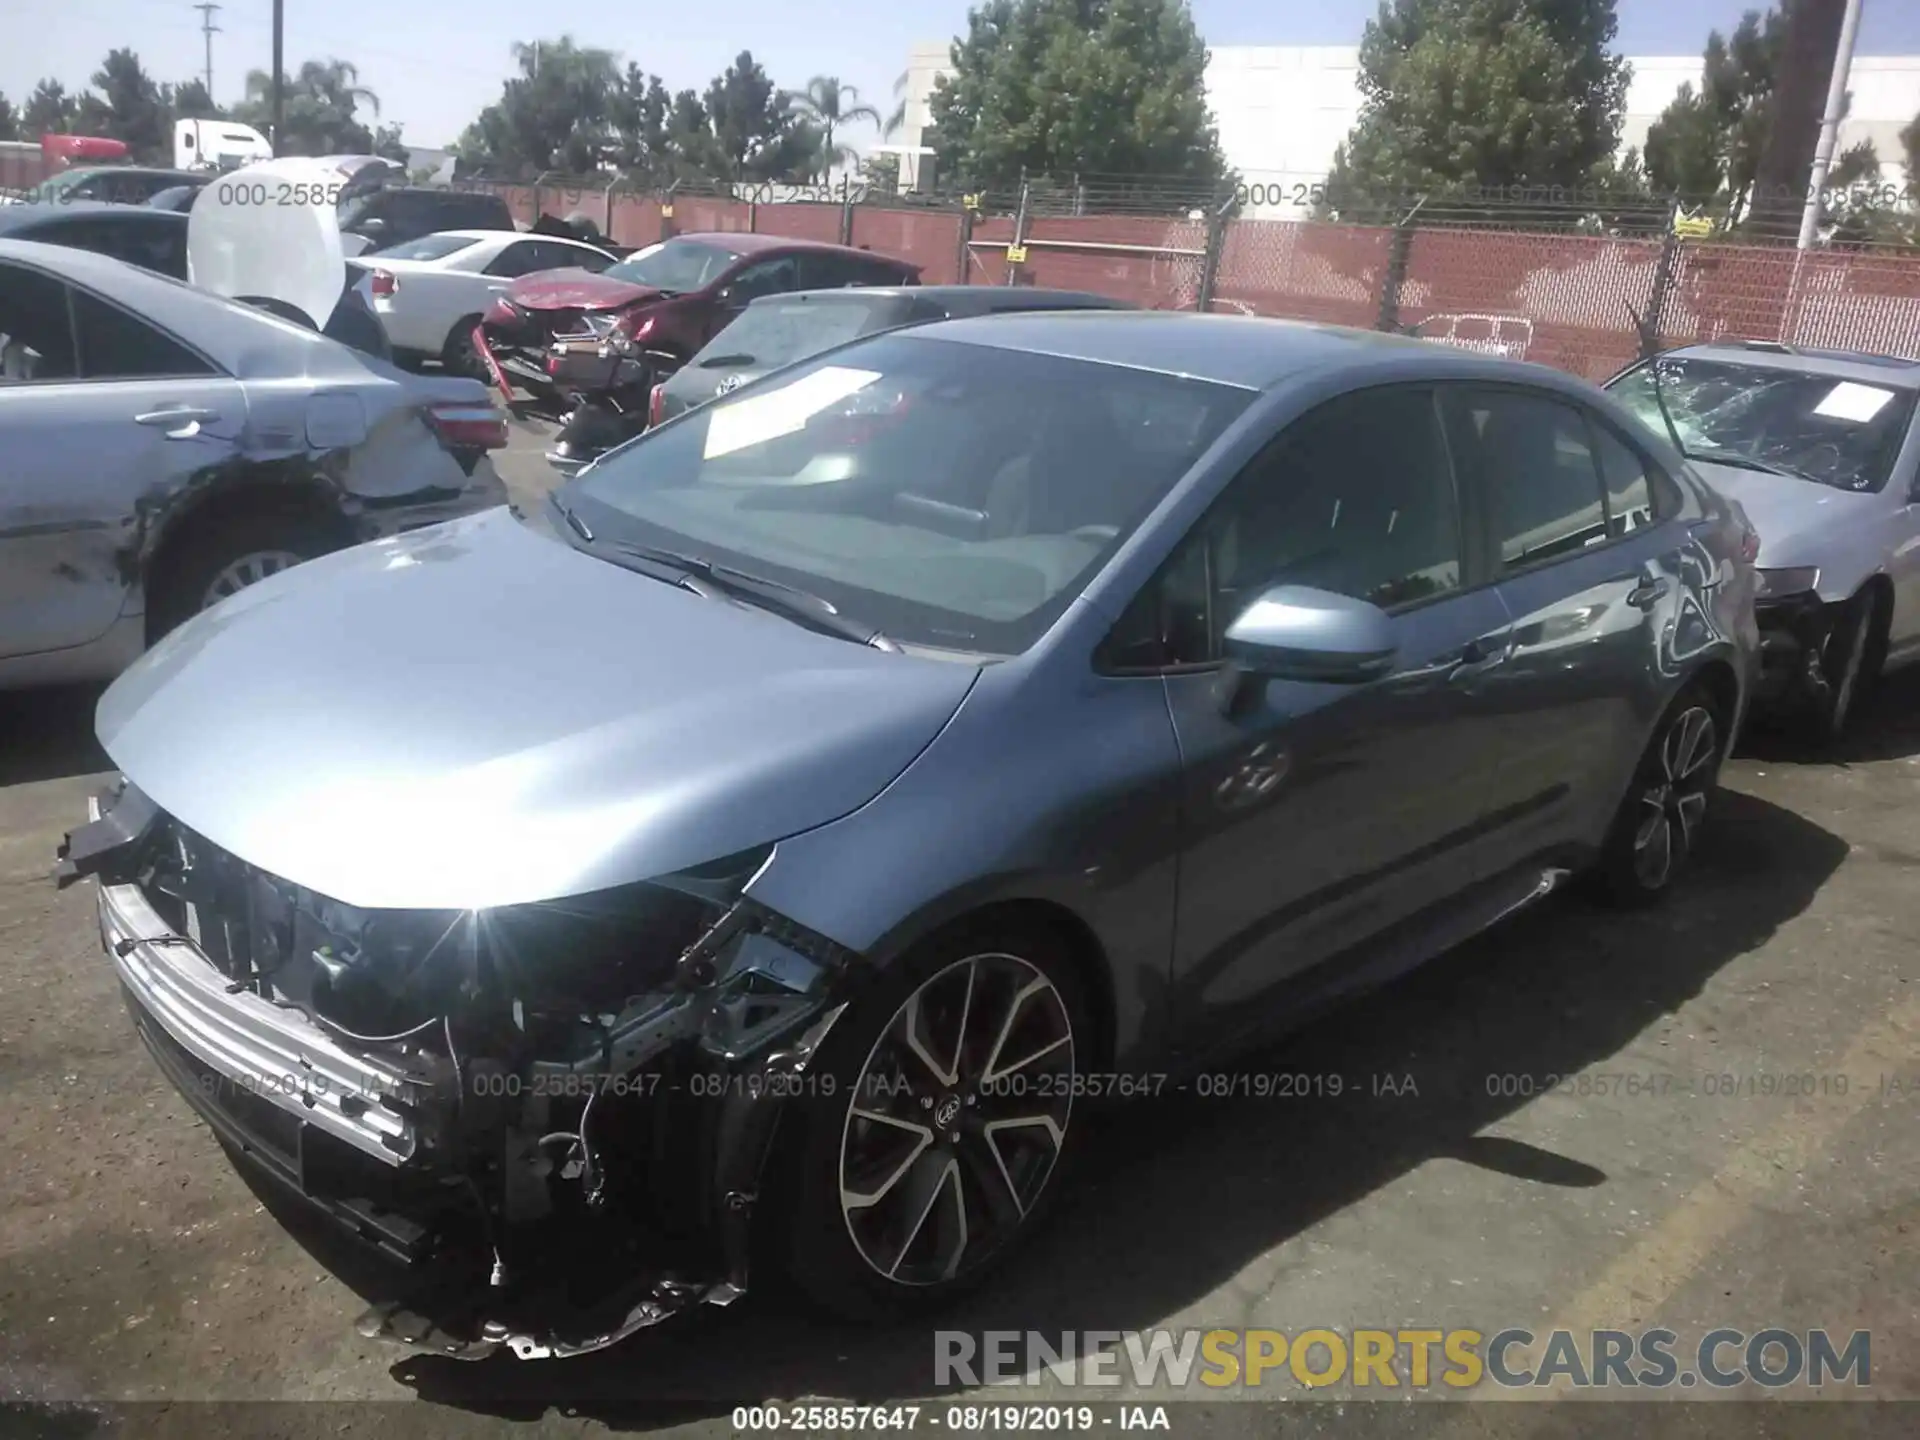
1658,824
946,1129
1843,667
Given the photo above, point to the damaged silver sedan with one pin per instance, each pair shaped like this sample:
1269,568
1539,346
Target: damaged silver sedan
166,447
773,850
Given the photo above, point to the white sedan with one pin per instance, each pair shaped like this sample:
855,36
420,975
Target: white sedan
431,292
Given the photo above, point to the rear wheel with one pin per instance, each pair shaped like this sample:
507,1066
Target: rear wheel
942,1141
227,554
457,355
1659,822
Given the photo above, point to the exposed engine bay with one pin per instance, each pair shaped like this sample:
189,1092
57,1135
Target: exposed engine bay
553,1118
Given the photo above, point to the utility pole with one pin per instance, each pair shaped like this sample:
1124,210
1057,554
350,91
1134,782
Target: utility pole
279,69
1830,123
208,29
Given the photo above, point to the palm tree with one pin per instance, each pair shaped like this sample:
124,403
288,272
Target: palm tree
827,105
896,120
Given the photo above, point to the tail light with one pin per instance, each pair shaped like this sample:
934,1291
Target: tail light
468,427
500,312
656,403
1749,545
384,283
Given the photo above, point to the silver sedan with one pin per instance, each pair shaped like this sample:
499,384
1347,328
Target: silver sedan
167,447
1822,449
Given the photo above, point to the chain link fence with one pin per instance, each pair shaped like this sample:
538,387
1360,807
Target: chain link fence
1584,282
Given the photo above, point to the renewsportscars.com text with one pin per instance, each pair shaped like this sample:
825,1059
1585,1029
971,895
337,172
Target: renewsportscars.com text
1402,1359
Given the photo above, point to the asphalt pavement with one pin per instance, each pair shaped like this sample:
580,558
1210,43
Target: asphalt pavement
1588,1122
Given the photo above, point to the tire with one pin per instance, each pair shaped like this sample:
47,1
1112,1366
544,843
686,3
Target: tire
457,355
1667,802
1848,662
213,561
893,1219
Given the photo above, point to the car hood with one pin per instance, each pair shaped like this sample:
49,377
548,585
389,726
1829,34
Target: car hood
478,714
576,289
1792,517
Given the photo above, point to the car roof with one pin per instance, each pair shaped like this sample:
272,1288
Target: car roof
509,235
957,300
182,176
22,217
243,341
1860,365
747,242
1253,354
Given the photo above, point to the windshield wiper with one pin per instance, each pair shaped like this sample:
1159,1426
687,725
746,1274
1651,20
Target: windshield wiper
1747,462
722,360
788,600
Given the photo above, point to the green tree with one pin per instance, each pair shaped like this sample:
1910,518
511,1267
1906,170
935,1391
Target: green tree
9,120
639,113
1460,93
49,111
756,136
1064,87
1706,146
192,102
138,111
556,114
321,107
830,106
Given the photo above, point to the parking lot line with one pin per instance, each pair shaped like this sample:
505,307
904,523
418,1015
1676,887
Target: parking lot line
1633,1288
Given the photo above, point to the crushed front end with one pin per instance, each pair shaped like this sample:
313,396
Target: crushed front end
1796,626
551,1119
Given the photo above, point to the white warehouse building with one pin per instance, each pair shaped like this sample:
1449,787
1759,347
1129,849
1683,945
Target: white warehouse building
1281,110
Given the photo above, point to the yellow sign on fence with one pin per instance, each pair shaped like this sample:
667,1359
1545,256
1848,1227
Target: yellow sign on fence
1016,254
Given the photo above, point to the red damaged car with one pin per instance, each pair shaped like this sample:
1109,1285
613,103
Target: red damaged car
577,331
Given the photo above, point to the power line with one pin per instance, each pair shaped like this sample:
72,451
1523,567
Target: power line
208,29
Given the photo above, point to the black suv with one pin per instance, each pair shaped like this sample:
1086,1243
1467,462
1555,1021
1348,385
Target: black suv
398,213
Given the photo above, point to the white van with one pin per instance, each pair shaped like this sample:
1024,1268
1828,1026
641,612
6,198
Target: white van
217,145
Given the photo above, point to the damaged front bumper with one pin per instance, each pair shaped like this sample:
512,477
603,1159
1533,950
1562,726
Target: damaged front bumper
1794,630
542,1202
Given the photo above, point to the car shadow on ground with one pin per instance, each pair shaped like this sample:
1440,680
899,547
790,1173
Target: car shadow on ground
1176,1196
48,735
1886,727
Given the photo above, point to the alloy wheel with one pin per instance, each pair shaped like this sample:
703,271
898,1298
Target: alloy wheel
1674,800
957,1120
248,569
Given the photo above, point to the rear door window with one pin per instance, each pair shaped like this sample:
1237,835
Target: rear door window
1532,456
116,345
36,328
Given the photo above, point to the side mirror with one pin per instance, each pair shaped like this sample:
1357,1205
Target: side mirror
373,229
1294,632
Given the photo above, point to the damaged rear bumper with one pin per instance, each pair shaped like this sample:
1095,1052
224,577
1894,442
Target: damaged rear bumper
499,1218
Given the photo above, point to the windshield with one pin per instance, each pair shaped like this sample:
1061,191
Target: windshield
778,332
948,494
429,247
1841,433
676,266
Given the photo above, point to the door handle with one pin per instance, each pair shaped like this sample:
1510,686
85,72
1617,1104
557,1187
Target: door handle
182,422
1477,657
1651,589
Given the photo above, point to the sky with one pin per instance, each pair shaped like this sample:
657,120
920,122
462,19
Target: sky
435,63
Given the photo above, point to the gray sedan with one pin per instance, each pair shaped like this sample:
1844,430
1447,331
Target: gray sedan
1822,448
870,768
166,447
